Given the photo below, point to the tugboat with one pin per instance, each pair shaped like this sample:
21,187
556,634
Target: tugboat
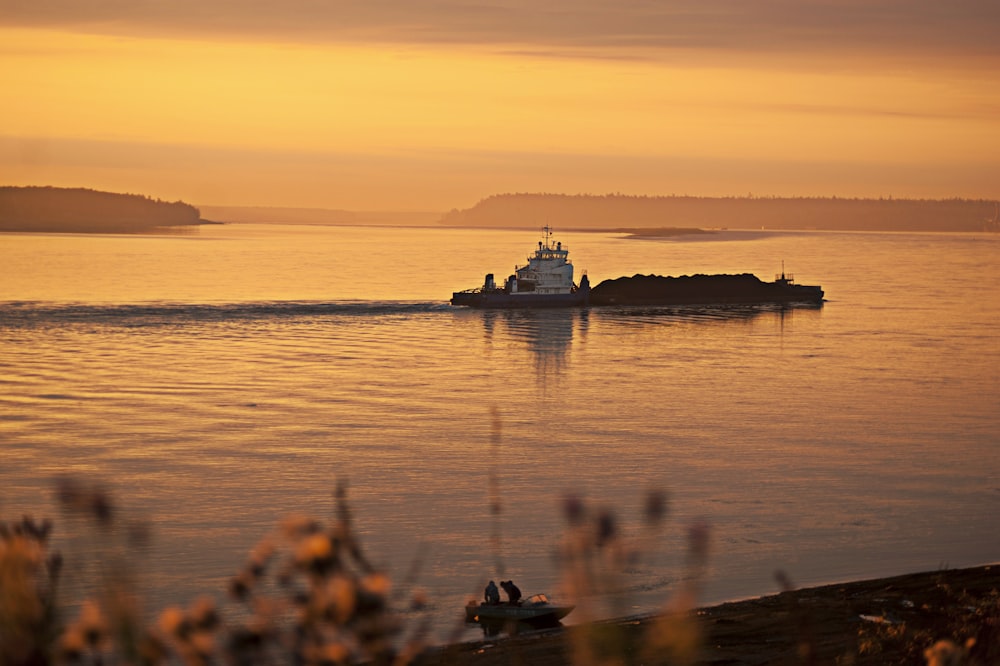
546,281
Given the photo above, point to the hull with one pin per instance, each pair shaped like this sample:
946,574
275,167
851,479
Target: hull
529,613
500,299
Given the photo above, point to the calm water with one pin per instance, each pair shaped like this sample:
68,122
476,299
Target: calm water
223,379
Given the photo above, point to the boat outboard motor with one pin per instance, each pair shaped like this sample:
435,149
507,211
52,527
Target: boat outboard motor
489,284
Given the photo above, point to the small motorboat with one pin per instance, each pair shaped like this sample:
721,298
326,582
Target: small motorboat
536,609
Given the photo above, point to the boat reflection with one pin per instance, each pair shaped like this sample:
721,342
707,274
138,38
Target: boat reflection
549,334
704,313
546,333
497,627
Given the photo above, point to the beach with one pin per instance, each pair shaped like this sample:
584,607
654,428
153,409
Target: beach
881,621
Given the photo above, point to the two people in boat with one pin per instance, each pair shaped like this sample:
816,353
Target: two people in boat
493,594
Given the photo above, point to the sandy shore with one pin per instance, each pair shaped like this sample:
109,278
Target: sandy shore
883,621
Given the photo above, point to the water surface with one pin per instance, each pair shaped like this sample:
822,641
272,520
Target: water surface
221,380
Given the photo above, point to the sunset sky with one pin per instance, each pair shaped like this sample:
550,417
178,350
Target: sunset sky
435,104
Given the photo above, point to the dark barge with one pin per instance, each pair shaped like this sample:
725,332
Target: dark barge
744,288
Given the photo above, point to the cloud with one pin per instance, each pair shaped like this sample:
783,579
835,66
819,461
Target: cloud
608,27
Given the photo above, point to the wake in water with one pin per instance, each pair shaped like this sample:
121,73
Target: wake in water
28,314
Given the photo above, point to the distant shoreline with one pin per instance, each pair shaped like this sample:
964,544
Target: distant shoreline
772,213
98,229
77,210
632,233
80,210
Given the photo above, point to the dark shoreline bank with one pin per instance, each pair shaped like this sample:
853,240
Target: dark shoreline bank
880,621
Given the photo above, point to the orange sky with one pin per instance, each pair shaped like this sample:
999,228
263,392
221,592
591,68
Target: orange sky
423,105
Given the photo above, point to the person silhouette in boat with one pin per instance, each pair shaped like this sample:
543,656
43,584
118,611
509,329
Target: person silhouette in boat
492,593
513,593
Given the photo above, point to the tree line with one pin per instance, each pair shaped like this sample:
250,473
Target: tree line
612,211
57,209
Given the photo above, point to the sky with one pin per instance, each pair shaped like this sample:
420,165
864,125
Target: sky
431,105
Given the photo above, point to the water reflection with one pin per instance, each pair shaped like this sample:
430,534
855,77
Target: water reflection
549,334
496,628
704,313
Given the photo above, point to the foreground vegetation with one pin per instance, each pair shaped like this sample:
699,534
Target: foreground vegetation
308,594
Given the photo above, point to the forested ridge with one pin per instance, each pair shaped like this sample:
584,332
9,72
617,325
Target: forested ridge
613,211
79,210
53,209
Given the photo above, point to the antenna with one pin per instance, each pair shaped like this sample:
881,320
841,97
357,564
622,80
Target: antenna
548,235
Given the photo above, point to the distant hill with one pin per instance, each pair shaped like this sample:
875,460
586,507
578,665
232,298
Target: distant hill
78,210
615,211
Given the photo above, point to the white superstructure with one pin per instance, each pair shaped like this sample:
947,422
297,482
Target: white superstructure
546,281
548,271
